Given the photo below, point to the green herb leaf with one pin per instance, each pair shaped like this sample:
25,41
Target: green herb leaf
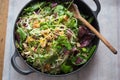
29,59
72,23
22,34
52,58
59,9
91,51
62,40
66,68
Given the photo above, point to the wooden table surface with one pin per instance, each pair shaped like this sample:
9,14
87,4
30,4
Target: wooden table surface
3,24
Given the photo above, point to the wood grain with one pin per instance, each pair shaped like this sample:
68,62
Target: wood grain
3,22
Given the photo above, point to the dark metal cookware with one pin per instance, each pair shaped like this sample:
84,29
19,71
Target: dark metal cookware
82,7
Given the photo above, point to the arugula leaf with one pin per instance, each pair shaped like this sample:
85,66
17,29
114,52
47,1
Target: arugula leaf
62,40
52,58
18,45
33,7
91,51
22,34
35,31
69,14
30,59
47,10
44,26
66,68
72,23
59,9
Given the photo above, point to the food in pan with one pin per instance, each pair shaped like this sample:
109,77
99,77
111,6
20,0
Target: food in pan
51,39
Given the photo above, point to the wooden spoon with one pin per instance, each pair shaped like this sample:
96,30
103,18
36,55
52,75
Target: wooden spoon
76,12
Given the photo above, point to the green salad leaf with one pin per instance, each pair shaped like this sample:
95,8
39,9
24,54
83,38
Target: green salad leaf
21,33
62,40
66,68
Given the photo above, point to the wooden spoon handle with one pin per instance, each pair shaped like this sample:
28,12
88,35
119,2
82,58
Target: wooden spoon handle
98,34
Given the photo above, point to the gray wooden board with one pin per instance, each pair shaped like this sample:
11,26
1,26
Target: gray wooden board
104,66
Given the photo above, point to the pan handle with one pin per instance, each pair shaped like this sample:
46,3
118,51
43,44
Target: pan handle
97,2
17,68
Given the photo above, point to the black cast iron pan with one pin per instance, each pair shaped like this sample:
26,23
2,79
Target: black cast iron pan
84,8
